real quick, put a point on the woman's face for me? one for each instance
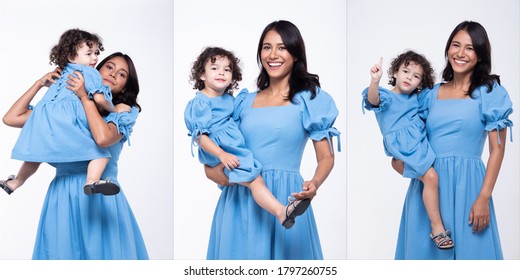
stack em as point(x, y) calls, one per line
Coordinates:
point(115, 74)
point(461, 54)
point(276, 59)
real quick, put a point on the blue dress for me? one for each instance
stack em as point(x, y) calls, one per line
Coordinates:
point(277, 136)
point(404, 132)
point(57, 129)
point(95, 227)
point(457, 130)
point(214, 117)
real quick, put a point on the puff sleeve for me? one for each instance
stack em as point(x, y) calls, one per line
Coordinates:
point(124, 122)
point(384, 97)
point(94, 83)
point(240, 103)
point(496, 106)
point(424, 98)
point(318, 116)
point(197, 117)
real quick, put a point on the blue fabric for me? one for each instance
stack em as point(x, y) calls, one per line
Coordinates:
point(404, 132)
point(213, 116)
point(76, 226)
point(57, 129)
point(277, 137)
point(457, 131)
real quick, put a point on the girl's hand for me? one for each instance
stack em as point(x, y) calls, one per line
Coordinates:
point(479, 214)
point(121, 108)
point(309, 191)
point(50, 78)
point(229, 160)
point(77, 84)
point(216, 174)
point(376, 72)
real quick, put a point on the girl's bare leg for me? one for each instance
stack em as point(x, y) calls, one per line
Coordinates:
point(26, 170)
point(265, 198)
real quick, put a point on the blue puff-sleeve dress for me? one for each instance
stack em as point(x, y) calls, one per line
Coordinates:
point(404, 132)
point(94, 227)
point(277, 137)
point(214, 117)
point(57, 129)
point(457, 131)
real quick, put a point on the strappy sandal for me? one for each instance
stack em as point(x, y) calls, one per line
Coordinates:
point(297, 210)
point(101, 186)
point(5, 186)
point(442, 240)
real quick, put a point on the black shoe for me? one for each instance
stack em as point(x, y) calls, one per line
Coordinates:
point(4, 186)
point(104, 187)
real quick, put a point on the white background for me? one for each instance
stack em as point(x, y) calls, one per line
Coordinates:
point(386, 28)
point(143, 30)
point(237, 26)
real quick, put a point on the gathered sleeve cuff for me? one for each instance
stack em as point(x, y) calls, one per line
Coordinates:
point(319, 115)
point(197, 117)
point(384, 101)
point(124, 122)
point(496, 106)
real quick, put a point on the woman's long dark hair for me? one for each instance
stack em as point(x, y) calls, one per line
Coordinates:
point(482, 73)
point(300, 79)
point(129, 95)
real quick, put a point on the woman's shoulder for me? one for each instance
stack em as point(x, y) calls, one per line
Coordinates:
point(308, 96)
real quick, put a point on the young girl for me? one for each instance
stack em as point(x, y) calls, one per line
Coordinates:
point(404, 132)
point(209, 118)
point(77, 50)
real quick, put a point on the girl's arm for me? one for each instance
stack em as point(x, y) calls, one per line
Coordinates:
point(104, 134)
point(376, 72)
point(479, 214)
point(325, 159)
point(228, 160)
point(18, 114)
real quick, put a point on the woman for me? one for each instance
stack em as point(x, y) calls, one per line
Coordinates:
point(72, 224)
point(276, 122)
point(460, 112)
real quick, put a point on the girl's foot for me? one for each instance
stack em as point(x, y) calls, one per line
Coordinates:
point(442, 240)
point(294, 209)
point(101, 186)
point(5, 186)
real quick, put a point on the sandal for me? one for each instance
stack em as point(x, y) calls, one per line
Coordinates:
point(5, 186)
point(297, 210)
point(101, 186)
point(442, 240)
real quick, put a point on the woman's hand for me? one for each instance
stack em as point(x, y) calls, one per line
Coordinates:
point(479, 214)
point(77, 84)
point(50, 78)
point(309, 190)
point(398, 166)
point(216, 174)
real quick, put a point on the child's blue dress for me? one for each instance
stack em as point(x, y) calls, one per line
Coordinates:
point(404, 132)
point(277, 136)
point(57, 129)
point(457, 130)
point(214, 117)
point(75, 226)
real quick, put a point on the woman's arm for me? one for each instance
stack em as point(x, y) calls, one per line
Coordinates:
point(479, 214)
point(325, 160)
point(18, 114)
point(104, 134)
point(216, 174)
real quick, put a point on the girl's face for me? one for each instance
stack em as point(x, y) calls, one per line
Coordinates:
point(86, 55)
point(217, 75)
point(276, 59)
point(408, 78)
point(115, 74)
point(461, 54)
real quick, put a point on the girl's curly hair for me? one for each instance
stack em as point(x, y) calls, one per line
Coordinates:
point(428, 77)
point(211, 54)
point(68, 46)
